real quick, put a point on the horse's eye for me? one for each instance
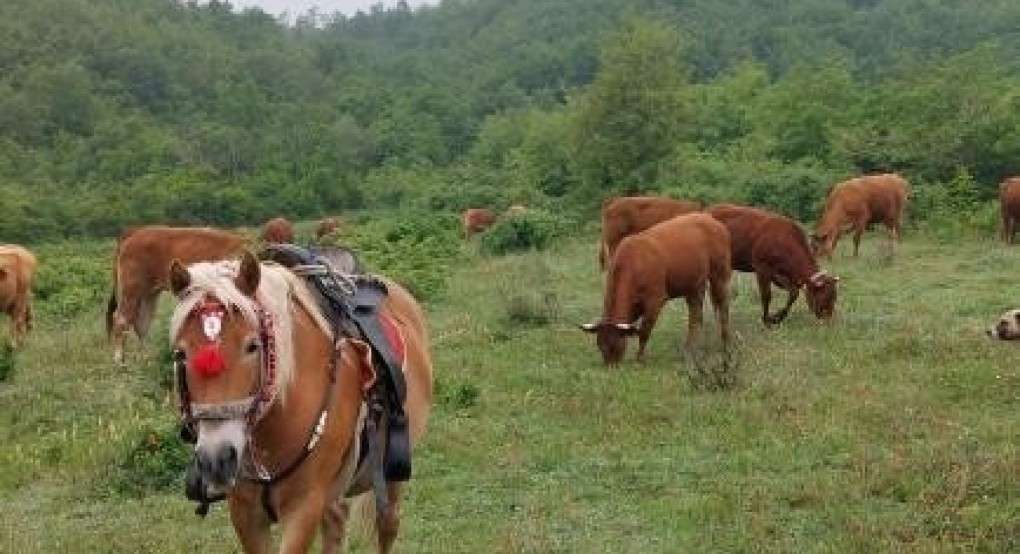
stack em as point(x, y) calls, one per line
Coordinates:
point(252, 347)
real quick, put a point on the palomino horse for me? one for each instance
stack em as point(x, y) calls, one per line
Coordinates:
point(278, 403)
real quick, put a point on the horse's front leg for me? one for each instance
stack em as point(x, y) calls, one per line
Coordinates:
point(251, 523)
point(301, 524)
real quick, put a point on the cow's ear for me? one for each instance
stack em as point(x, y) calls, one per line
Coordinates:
point(3, 272)
point(180, 279)
point(248, 277)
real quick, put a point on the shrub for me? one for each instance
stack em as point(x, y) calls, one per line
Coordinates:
point(532, 231)
point(155, 463)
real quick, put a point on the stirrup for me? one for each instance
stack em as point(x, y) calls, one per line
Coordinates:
point(397, 463)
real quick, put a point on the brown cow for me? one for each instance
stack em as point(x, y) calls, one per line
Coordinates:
point(627, 215)
point(1009, 204)
point(278, 230)
point(776, 250)
point(326, 227)
point(141, 265)
point(858, 203)
point(683, 256)
point(476, 220)
point(17, 269)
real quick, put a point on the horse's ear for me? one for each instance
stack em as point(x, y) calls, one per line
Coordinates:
point(248, 277)
point(180, 279)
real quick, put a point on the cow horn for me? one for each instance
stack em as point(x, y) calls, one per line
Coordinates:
point(626, 326)
point(589, 327)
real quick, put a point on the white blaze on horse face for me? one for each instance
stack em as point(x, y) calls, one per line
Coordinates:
point(212, 323)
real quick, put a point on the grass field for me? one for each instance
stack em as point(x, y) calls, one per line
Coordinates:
point(894, 430)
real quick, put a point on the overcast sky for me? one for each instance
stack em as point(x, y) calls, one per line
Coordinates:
point(298, 7)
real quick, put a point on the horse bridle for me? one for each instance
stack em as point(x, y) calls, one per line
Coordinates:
point(251, 408)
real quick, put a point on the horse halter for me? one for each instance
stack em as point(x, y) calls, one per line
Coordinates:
point(207, 362)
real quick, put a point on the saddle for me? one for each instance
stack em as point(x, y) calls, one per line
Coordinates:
point(350, 299)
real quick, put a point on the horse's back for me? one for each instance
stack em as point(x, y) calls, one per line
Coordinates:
point(410, 318)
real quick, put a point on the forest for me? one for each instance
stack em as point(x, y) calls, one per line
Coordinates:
point(120, 112)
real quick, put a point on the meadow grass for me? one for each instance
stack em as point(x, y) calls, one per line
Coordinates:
point(893, 430)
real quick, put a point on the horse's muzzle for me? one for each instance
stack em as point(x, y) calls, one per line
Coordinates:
point(218, 466)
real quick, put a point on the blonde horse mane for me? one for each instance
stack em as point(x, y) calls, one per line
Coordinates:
point(278, 289)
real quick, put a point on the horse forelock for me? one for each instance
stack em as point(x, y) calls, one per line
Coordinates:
point(278, 290)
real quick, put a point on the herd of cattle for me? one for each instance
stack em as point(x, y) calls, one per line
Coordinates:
point(653, 249)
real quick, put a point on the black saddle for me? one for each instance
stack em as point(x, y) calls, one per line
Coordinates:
point(350, 298)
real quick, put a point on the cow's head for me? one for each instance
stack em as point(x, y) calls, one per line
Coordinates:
point(820, 293)
point(611, 339)
point(1007, 328)
point(822, 244)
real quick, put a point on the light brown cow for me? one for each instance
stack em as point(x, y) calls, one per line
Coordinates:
point(776, 250)
point(627, 215)
point(278, 230)
point(326, 227)
point(17, 270)
point(476, 220)
point(141, 265)
point(1009, 205)
point(680, 257)
point(858, 203)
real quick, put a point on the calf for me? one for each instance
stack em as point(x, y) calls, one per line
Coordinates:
point(681, 257)
point(476, 220)
point(278, 230)
point(776, 250)
point(858, 203)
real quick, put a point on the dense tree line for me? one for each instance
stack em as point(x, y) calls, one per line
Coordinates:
point(115, 112)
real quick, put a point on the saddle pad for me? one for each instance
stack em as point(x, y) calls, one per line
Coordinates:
point(394, 339)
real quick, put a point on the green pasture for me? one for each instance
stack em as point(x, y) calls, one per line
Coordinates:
point(894, 430)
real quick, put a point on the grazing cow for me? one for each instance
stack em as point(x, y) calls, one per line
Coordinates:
point(1007, 328)
point(776, 250)
point(1009, 204)
point(326, 227)
point(17, 269)
point(683, 256)
point(476, 220)
point(278, 230)
point(858, 203)
point(516, 210)
point(141, 265)
point(627, 215)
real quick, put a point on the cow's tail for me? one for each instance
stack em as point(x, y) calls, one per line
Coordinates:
point(111, 307)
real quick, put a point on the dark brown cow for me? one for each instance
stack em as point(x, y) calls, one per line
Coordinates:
point(17, 270)
point(327, 227)
point(776, 250)
point(141, 265)
point(278, 230)
point(627, 215)
point(1009, 204)
point(858, 203)
point(476, 220)
point(681, 257)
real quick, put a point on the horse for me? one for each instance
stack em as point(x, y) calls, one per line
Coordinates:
point(277, 400)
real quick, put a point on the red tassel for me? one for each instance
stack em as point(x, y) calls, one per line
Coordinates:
point(208, 361)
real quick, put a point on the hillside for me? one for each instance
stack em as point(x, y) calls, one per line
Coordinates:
point(116, 112)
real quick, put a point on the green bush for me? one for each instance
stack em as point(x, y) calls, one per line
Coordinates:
point(155, 463)
point(533, 230)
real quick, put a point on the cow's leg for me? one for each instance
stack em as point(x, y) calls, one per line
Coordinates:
point(650, 314)
point(1010, 228)
point(858, 231)
point(695, 316)
point(721, 304)
point(765, 292)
